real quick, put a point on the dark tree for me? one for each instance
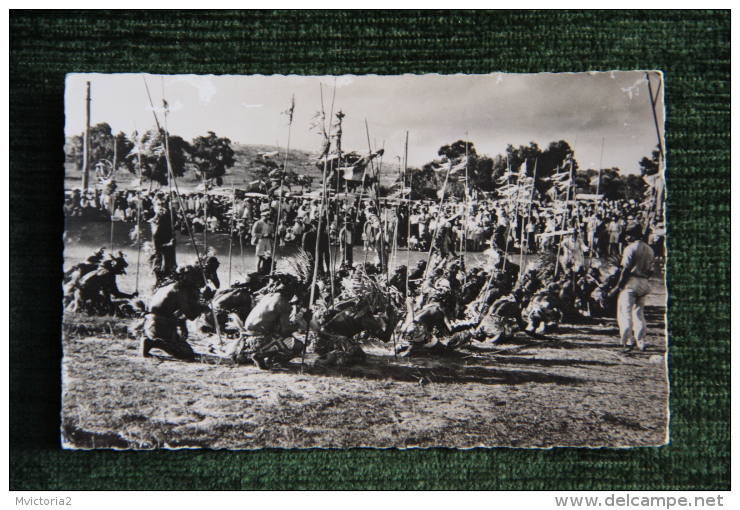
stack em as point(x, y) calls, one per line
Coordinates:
point(611, 184)
point(634, 187)
point(480, 169)
point(458, 150)
point(650, 166)
point(150, 146)
point(615, 186)
point(424, 183)
point(524, 155)
point(101, 146)
point(586, 181)
point(211, 156)
point(557, 157)
point(124, 146)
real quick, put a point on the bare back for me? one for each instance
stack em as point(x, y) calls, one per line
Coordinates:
point(270, 315)
point(175, 299)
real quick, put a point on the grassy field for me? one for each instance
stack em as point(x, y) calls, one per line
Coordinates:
point(82, 240)
point(577, 389)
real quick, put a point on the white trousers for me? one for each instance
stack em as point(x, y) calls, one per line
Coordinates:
point(631, 311)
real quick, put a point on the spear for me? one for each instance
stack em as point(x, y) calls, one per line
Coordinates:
point(508, 226)
point(465, 217)
point(408, 221)
point(529, 219)
point(318, 230)
point(565, 217)
point(321, 211)
point(381, 254)
point(598, 190)
point(111, 203)
point(138, 209)
point(205, 213)
point(653, 103)
point(167, 153)
point(383, 262)
point(282, 181)
point(187, 225)
point(241, 250)
point(332, 249)
point(231, 226)
point(439, 220)
point(171, 178)
point(325, 206)
point(482, 295)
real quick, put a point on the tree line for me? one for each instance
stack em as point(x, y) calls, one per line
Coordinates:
point(487, 174)
point(210, 156)
point(144, 153)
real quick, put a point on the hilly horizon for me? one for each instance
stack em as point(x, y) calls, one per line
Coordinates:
point(239, 176)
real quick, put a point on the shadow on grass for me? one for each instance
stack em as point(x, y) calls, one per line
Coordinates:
point(453, 371)
point(515, 360)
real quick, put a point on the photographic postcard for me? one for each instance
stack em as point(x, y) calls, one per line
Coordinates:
point(403, 261)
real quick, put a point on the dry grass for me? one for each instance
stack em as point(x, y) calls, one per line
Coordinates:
point(576, 390)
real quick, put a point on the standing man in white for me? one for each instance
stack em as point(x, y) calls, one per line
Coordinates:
point(633, 287)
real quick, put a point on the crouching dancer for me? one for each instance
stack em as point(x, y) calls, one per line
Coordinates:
point(97, 291)
point(176, 300)
point(266, 335)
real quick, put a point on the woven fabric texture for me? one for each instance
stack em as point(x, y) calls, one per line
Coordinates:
point(691, 48)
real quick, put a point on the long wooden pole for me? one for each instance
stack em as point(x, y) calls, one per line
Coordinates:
point(408, 205)
point(465, 218)
point(653, 103)
point(383, 228)
point(138, 210)
point(590, 239)
point(482, 295)
point(231, 226)
point(325, 200)
point(241, 252)
point(362, 191)
point(336, 219)
point(333, 249)
point(508, 226)
point(169, 168)
point(439, 221)
point(565, 217)
point(383, 242)
point(529, 219)
point(381, 254)
point(601, 163)
point(321, 210)
point(205, 214)
point(86, 143)
point(163, 133)
point(171, 178)
point(318, 231)
point(190, 230)
point(276, 234)
point(318, 242)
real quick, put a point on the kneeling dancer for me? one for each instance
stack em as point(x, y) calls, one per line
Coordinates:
point(176, 301)
point(266, 335)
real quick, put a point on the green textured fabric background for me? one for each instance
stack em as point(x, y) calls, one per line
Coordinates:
point(692, 48)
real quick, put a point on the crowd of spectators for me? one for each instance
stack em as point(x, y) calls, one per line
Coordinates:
point(595, 226)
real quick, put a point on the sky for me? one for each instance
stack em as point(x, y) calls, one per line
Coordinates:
point(606, 117)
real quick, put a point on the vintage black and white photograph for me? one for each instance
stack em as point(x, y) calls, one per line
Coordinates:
point(408, 261)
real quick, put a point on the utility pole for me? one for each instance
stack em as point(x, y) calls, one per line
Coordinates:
point(86, 143)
